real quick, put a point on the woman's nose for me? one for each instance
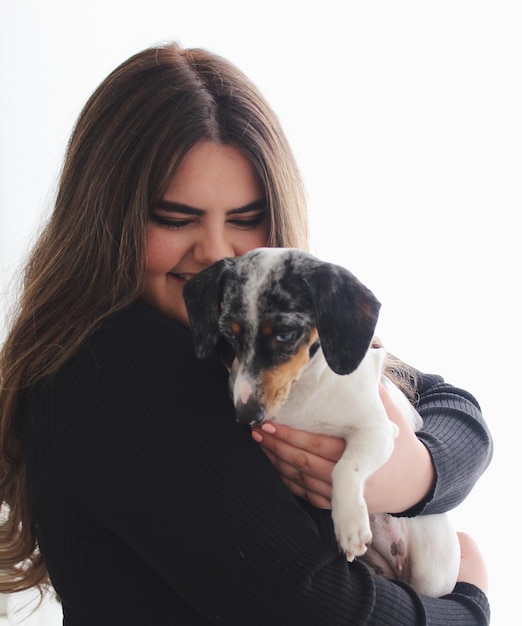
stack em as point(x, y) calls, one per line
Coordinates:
point(211, 247)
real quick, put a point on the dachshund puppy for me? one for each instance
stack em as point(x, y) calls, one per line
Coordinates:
point(301, 331)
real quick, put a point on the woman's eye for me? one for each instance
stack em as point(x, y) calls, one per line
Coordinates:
point(169, 222)
point(249, 223)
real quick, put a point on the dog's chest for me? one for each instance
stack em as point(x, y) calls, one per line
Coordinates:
point(322, 401)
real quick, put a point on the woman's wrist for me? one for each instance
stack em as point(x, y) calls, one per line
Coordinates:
point(407, 478)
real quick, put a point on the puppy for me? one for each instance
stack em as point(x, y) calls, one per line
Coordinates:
point(301, 333)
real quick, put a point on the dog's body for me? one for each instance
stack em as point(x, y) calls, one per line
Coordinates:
point(301, 331)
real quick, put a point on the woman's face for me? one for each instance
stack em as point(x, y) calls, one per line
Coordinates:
point(214, 207)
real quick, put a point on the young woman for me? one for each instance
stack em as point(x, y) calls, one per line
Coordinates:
point(124, 475)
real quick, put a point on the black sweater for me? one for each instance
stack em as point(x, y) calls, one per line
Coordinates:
point(153, 506)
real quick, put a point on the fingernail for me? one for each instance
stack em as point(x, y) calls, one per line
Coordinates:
point(268, 428)
point(256, 436)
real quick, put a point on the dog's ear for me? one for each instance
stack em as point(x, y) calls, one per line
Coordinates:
point(346, 315)
point(203, 298)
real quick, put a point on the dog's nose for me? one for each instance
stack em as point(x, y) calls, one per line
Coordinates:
point(251, 412)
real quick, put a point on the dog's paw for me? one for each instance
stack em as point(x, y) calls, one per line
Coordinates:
point(353, 533)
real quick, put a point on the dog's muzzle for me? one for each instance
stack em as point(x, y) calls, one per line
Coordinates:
point(249, 409)
point(251, 412)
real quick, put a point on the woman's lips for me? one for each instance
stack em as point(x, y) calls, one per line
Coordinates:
point(181, 277)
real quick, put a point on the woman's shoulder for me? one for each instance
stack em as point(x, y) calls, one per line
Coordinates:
point(133, 339)
point(140, 322)
point(136, 348)
point(139, 313)
point(142, 337)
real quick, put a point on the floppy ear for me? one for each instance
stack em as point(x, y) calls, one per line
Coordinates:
point(203, 297)
point(346, 315)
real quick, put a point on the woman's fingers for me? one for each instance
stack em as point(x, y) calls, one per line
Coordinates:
point(304, 460)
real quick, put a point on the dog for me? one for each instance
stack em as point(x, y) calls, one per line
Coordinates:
point(301, 331)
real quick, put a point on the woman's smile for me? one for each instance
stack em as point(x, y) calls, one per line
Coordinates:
point(214, 207)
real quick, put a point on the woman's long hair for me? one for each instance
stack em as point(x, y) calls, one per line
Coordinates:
point(89, 261)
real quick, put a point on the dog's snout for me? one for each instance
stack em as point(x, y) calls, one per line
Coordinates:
point(250, 412)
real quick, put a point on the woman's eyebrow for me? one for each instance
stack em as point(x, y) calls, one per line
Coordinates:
point(252, 206)
point(178, 207)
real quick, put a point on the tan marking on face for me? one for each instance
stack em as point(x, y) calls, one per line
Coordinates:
point(267, 329)
point(275, 384)
point(235, 327)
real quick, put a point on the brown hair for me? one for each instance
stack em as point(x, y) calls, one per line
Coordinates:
point(89, 261)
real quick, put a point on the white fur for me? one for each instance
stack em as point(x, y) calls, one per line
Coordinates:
point(350, 407)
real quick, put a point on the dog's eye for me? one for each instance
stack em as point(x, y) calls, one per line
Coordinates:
point(229, 336)
point(285, 337)
point(231, 331)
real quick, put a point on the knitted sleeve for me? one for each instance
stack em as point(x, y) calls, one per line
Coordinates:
point(156, 457)
point(457, 438)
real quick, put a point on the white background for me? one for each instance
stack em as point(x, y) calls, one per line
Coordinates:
point(405, 119)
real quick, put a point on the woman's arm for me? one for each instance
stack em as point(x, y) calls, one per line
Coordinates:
point(305, 462)
point(454, 442)
point(160, 461)
point(458, 439)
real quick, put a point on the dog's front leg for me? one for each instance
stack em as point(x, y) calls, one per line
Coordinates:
point(366, 450)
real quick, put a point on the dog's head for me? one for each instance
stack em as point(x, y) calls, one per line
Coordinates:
point(276, 307)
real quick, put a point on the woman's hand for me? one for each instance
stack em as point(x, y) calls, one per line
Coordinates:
point(305, 462)
point(472, 566)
